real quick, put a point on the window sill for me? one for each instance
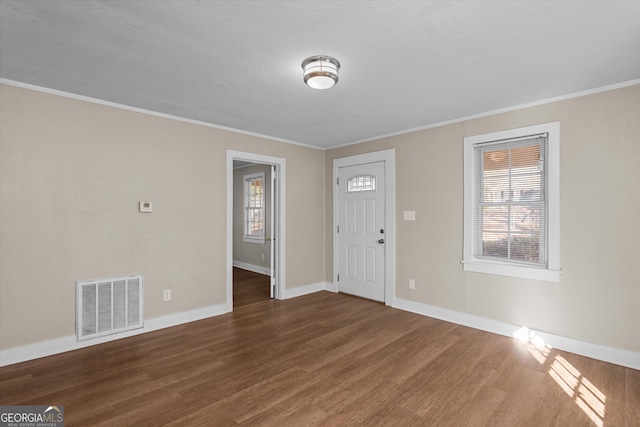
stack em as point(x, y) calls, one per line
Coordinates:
point(510, 270)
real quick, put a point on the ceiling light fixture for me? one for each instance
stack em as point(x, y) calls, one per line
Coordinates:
point(320, 71)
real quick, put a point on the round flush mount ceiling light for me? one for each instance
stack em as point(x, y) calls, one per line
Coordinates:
point(320, 71)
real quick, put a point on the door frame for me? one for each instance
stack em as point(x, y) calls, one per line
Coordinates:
point(388, 157)
point(278, 208)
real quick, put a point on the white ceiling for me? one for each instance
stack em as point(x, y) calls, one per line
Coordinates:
point(236, 64)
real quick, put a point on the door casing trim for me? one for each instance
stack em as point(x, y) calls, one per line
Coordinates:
point(388, 157)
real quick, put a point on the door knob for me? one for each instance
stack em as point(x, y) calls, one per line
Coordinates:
point(381, 241)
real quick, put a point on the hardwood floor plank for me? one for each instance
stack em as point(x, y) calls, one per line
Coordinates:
point(521, 401)
point(329, 360)
point(478, 410)
point(249, 287)
point(259, 397)
point(393, 416)
point(632, 399)
point(285, 414)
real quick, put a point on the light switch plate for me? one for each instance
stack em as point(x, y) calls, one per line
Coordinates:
point(409, 215)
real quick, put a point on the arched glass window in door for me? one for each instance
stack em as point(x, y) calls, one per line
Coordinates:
point(361, 183)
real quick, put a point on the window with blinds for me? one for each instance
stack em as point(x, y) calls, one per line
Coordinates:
point(511, 202)
point(254, 208)
point(511, 212)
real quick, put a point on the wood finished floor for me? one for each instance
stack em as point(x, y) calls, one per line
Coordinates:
point(325, 359)
point(249, 287)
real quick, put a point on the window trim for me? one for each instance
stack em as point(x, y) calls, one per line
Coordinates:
point(246, 179)
point(505, 268)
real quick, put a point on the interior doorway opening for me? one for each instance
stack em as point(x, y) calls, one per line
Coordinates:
point(252, 232)
point(255, 228)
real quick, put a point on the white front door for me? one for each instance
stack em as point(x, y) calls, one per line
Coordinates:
point(361, 230)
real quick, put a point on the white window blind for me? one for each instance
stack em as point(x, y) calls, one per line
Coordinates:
point(511, 208)
point(254, 207)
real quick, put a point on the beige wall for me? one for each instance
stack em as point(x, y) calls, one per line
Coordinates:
point(71, 176)
point(72, 173)
point(256, 254)
point(597, 297)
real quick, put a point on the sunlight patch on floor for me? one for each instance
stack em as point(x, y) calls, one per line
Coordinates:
point(583, 392)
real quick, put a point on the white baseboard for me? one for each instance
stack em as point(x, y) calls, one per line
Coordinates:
point(617, 356)
point(68, 343)
point(251, 267)
point(303, 290)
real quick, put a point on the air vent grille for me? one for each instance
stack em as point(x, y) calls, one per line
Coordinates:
point(109, 306)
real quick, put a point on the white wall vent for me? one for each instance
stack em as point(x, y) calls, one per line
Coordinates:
point(108, 306)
